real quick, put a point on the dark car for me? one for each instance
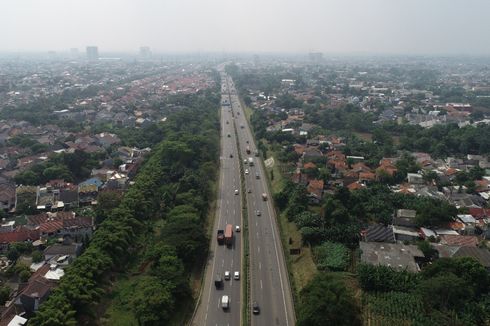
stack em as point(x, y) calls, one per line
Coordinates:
point(255, 308)
point(231, 155)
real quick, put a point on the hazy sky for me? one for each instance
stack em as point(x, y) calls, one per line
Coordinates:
point(329, 26)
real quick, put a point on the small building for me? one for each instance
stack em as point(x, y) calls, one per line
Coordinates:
point(395, 255)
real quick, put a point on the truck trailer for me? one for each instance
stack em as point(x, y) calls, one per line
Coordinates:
point(229, 234)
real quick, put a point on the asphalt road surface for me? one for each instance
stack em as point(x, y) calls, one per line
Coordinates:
point(223, 258)
point(269, 284)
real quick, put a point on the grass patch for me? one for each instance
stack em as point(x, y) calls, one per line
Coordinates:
point(117, 313)
point(301, 267)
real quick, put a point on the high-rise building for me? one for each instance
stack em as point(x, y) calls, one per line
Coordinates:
point(92, 53)
point(316, 57)
point(145, 52)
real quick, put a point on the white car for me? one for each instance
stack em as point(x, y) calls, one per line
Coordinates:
point(246, 171)
point(225, 302)
point(227, 275)
point(245, 161)
point(236, 191)
point(236, 276)
point(257, 212)
point(237, 228)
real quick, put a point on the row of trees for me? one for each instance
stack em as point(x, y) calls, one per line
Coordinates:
point(173, 185)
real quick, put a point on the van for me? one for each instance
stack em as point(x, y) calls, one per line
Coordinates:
point(225, 302)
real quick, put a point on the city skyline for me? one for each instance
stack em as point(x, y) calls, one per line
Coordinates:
point(353, 26)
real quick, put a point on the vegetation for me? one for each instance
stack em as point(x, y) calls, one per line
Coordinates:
point(327, 301)
point(332, 256)
point(449, 291)
point(178, 172)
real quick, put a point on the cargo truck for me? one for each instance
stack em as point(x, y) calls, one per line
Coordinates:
point(229, 234)
point(221, 237)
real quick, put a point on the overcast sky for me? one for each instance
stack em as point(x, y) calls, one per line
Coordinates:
point(329, 26)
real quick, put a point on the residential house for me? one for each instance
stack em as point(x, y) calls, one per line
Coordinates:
point(395, 255)
point(379, 233)
point(315, 191)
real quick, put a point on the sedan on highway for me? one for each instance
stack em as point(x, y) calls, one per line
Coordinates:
point(236, 276)
point(255, 308)
point(227, 275)
point(257, 212)
point(246, 171)
point(236, 191)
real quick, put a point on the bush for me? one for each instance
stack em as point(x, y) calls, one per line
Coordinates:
point(332, 256)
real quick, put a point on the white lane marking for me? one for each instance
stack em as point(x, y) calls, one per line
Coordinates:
point(260, 265)
point(257, 234)
point(256, 223)
point(261, 287)
point(222, 263)
point(232, 263)
point(218, 303)
point(258, 249)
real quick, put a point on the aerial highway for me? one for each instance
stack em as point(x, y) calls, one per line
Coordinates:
point(269, 283)
point(224, 258)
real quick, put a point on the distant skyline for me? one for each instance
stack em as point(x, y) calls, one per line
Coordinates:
point(434, 27)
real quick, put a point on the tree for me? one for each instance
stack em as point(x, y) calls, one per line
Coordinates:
point(444, 292)
point(24, 275)
point(327, 301)
point(4, 294)
point(152, 302)
point(37, 257)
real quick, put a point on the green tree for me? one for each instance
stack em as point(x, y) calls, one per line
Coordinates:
point(4, 294)
point(152, 302)
point(327, 301)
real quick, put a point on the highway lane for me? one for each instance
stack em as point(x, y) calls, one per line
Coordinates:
point(221, 258)
point(268, 272)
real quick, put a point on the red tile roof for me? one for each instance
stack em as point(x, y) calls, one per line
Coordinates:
point(20, 234)
point(460, 240)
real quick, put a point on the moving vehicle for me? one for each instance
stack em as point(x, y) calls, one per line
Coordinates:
point(231, 155)
point(257, 175)
point(229, 135)
point(225, 302)
point(246, 171)
point(227, 275)
point(237, 228)
point(264, 196)
point(247, 149)
point(229, 234)
point(245, 161)
point(242, 126)
point(220, 237)
point(236, 191)
point(256, 153)
point(251, 161)
point(227, 122)
point(218, 281)
point(236, 276)
point(249, 191)
point(257, 212)
point(255, 308)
